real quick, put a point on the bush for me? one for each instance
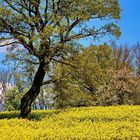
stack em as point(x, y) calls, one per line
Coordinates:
point(12, 99)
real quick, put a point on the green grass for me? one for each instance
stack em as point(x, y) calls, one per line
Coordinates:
point(35, 115)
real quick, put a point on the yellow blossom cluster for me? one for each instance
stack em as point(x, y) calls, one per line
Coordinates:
point(88, 123)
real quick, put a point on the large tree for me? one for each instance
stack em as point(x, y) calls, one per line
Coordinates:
point(48, 28)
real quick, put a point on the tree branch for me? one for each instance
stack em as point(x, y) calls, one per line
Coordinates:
point(55, 80)
point(27, 60)
point(77, 21)
point(15, 9)
point(11, 43)
point(65, 63)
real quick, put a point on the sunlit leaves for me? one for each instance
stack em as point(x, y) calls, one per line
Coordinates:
point(56, 20)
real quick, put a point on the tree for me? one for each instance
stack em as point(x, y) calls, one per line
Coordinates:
point(5, 84)
point(5, 78)
point(12, 99)
point(23, 67)
point(136, 54)
point(48, 28)
point(83, 85)
point(123, 57)
point(104, 76)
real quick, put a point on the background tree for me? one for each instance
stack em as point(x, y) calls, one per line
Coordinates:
point(12, 99)
point(24, 67)
point(81, 87)
point(5, 84)
point(136, 55)
point(104, 76)
point(123, 57)
point(47, 28)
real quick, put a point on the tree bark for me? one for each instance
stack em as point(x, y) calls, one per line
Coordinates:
point(29, 97)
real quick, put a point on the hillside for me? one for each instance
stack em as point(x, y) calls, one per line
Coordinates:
point(92, 123)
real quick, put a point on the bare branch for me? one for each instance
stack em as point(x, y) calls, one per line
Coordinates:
point(46, 7)
point(77, 21)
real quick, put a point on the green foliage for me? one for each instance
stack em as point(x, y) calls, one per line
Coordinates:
point(23, 67)
point(35, 115)
point(100, 78)
point(44, 26)
point(12, 99)
point(78, 89)
point(9, 114)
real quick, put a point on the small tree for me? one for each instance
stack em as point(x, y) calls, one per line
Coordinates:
point(12, 99)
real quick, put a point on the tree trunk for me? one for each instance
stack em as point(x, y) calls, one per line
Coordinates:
point(29, 97)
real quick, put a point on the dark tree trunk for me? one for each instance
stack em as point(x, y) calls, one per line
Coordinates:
point(29, 97)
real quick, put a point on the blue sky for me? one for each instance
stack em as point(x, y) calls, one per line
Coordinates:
point(129, 23)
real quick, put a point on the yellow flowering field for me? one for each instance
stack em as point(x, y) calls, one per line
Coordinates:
point(91, 123)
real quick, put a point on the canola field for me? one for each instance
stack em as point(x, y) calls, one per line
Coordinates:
point(91, 123)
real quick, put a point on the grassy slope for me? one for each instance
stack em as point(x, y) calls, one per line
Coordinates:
point(92, 123)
